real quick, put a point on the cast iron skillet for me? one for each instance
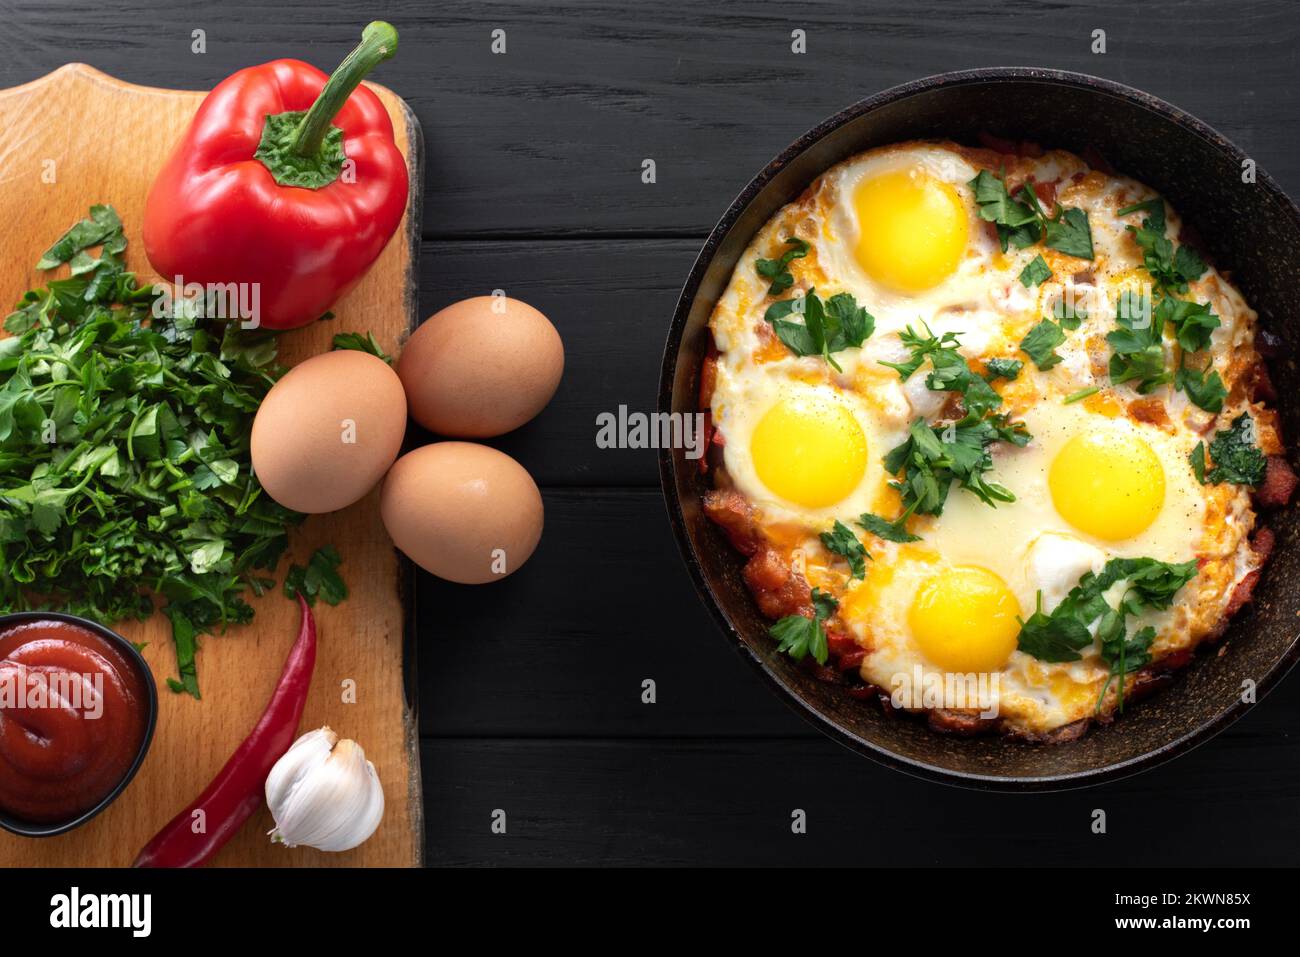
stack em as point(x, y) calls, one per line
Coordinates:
point(1253, 229)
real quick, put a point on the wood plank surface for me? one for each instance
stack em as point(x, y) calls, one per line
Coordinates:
point(530, 690)
point(548, 137)
point(106, 140)
point(710, 801)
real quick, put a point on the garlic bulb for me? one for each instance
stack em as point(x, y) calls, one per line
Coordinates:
point(324, 793)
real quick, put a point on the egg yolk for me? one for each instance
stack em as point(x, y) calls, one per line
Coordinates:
point(1107, 483)
point(912, 229)
point(809, 450)
point(964, 620)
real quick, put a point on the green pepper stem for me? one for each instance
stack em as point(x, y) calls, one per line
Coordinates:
point(378, 43)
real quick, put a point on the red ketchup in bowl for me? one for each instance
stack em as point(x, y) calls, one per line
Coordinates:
point(73, 715)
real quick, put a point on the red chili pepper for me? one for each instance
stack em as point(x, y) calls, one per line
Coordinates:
point(286, 182)
point(237, 790)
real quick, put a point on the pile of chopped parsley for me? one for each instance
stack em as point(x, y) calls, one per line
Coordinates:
point(125, 474)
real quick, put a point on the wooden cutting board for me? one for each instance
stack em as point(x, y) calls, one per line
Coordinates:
point(78, 137)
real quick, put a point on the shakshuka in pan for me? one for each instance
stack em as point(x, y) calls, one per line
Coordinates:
point(986, 418)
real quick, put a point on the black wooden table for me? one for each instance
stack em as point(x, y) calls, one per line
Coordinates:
point(530, 689)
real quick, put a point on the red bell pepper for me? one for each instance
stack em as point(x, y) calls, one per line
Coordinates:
point(285, 179)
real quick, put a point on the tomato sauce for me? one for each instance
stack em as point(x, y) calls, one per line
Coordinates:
point(74, 709)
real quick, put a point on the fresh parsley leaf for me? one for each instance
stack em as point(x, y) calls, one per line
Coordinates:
point(1193, 321)
point(1021, 221)
point(799, 636)
point(102, 227)
point(1053, 638)
point(1069, 233)
point(361, 343)
point(320, 578)
point(1017, 224)
point(1204, 387)
point(1124, 655)
point(1003, 369)
point(1040, 344)
point(1153, 583)
point(841, 541)
point(950, 372)
point(1146, 366)
point(883, 528)
point(186, 642)
point(1198, 462)
point(1235, 455)
point(1155, 210)
point(1035, 273)
point(1173, 270)
point(1082, 394)
point(777, 270)
point(921, 346)
point(1138, 346)
point(1137, 352)
point(831, 326)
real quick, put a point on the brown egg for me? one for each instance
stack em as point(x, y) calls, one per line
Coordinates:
point(481, 367)
point(328, 431)
point(462, 511)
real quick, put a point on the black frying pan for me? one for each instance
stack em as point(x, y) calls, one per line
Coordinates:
point(1252, 229)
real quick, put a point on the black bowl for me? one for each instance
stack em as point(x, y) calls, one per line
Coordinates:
point(29, 829)
point(1253, 229)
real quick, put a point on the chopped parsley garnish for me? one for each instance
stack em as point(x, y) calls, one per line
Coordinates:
point(1137, 352)
point(934, 456)
point(1002, 369)
point(320, 578)
point(799, 636)
point(1040, 344)
point(778, 270)
point(1061, 635)
point(1017, 223)
point(1082, 394)
point(1203, 386)
point(883, 528)
point(1234, 455)
point(1021, 221)
point(1035, 273)
point(830, 326)
point(950, 372)
point(361, 343)
point(841, 541)
point(921, 347)
point(1172, 269)
point(1053, 637)
point(1193, 322)
point(1138, 347)
point(1069, 233)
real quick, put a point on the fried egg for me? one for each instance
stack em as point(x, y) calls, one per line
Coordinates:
point(1105, 473)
